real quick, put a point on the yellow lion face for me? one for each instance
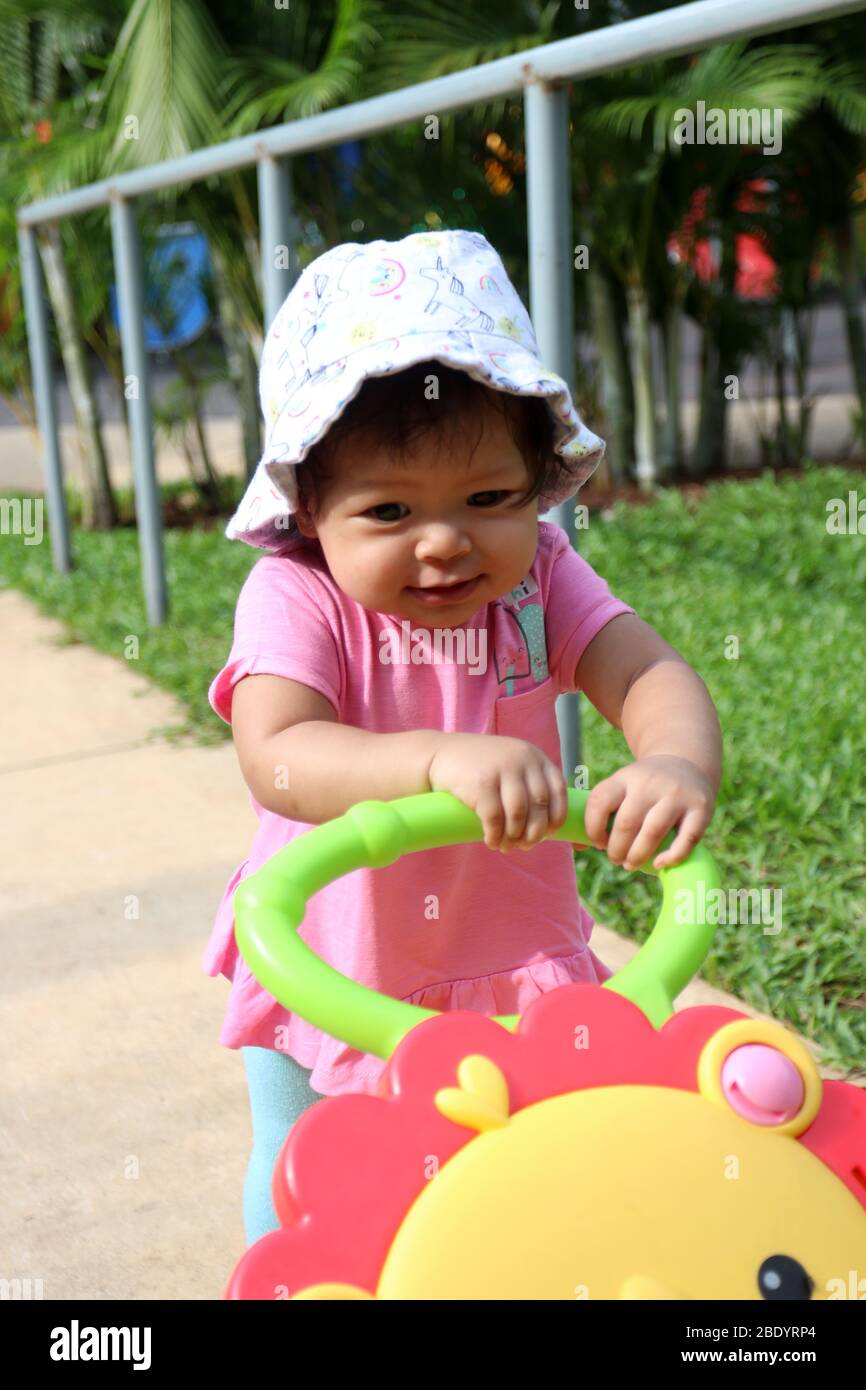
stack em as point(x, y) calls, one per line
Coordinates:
point(692, 1203)
point(632, 1191)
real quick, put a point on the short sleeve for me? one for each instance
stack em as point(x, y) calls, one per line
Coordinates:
point(281, 629)
point(579, 605)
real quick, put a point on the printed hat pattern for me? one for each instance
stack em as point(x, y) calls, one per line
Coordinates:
point(374, 309)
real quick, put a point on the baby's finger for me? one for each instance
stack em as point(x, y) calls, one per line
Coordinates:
point(491, 813)
point(538, 817)
point(629, 820)
point(515, 803)
point(558, 805)
point(656, 825)
point(602, 800)
point(692, 827)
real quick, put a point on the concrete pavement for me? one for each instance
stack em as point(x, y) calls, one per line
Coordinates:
point(125, 1130)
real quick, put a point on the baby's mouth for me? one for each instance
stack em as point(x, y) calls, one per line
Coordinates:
point(441, 594)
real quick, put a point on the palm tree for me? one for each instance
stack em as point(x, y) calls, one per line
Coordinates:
point(841, 121)
point(32, 58)
point(634, 237)
point(175, 75)
point(191, 75)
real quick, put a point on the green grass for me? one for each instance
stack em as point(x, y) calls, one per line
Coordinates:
point(102, 602)
point(754, 561)
point(748, 560)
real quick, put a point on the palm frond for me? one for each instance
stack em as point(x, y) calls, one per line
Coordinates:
point(284, 89)
point(446, 37)
point(15, 89)
point(46, 69)
point(846, 94)
point(165, 71)
point(786, 79)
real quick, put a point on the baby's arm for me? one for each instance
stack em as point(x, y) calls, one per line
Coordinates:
point(299, 762)
point(644, 687)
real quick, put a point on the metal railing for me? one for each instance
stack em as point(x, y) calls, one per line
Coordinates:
point(538, 73)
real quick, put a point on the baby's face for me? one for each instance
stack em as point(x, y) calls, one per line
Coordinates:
point(391, 533)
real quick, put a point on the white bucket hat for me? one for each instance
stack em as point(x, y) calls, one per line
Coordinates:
point(365, 310)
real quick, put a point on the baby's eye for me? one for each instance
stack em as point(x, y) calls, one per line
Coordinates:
point(495, 496)
point(489, 499)
point(384, 507)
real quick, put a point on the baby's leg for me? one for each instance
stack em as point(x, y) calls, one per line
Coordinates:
point(279, 1093)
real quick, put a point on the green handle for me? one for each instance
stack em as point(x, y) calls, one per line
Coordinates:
point(269, 907)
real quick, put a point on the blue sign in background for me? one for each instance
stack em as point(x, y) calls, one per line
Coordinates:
point(173, 277)
point(181, 259)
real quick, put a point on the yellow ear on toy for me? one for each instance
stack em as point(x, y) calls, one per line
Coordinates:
point(480, 1101)
point(754, 1030)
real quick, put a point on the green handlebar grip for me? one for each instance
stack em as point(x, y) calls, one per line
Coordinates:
point(269, 907)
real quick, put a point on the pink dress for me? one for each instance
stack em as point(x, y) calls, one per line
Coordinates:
point(461, 926)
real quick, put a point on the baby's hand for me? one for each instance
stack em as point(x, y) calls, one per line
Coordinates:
point(517, 792)
point(649, 797)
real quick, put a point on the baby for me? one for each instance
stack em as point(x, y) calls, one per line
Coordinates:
point(410, 630)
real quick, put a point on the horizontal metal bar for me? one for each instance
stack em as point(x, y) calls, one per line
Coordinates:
point(666, 35)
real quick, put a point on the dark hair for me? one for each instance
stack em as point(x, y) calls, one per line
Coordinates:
point(396, 409)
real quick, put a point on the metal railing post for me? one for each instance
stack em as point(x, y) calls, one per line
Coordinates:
point(548, 195)
point(39, 347)
point(130, 310)
point(278, 233)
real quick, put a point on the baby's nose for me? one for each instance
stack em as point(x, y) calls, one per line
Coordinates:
point(442, 541)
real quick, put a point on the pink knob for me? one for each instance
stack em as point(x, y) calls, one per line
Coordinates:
point(762, 1084)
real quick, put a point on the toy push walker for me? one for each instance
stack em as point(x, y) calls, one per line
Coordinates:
point(600, 1146)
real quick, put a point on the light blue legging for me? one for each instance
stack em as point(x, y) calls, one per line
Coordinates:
point(280, 1092)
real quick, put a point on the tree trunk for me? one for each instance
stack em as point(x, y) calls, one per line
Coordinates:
point(98, 508)
point(616, 385)
point(209, 488)
point(211, 485)
point(799, 327)
point(700, 463)
point(252, 244)
point(671, 439)
point(761, 411)
point(24, 414)
point(241, 364)
point(111, 360)
point(846, 250)
point(717, 361)
point(729, 362)
point(783, 429)
point(640, 353)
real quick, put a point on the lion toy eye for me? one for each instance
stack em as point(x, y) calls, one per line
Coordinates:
point(762, 1084)
point(781, 1277)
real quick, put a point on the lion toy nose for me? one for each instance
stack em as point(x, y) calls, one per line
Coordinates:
point(762, 1084)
